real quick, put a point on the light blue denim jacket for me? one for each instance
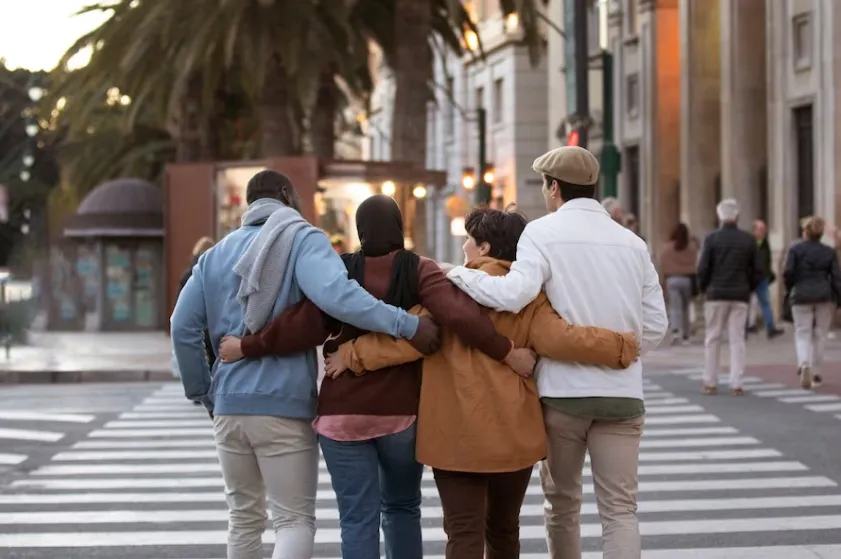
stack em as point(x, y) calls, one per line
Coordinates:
point(272, 385)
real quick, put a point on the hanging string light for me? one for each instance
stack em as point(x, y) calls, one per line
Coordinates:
point(35, 93)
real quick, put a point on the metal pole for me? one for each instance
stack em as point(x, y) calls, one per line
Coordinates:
point(610, 161)
point(582, 62)
point(483, 190)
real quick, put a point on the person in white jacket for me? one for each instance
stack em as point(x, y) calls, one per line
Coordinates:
point(595, 273)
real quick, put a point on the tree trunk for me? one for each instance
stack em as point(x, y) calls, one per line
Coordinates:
point(412, 73)
point(323, 121)
point(277, 134)
point(186, 124)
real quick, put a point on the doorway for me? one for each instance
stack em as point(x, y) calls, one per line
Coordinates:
point(805, 167)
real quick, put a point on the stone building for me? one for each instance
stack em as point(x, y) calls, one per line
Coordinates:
point(513, 93)
point(727, 98)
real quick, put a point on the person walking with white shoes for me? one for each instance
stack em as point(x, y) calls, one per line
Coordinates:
point(728, 272)
point(813, 284)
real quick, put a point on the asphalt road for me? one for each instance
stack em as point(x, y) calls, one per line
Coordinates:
point(128, 471)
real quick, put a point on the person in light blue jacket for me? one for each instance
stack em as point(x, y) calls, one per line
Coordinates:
point(262, 409)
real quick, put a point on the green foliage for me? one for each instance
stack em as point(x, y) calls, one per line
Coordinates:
point(16, 109)
point(239, 80)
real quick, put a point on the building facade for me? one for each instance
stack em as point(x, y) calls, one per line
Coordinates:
point(526, 113)
point(727, 99)
point(711, 99)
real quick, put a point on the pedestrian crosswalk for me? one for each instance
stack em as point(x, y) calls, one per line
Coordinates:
point(147, 485)
point(35, 418)
point(812, 400)
point(27, 430)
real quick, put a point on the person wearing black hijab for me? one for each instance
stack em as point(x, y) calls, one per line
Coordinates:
point(366, 423)
point(379, 224)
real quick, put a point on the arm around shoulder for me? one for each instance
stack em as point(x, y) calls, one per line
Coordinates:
point(322, 276)
point(513, 291)
point(298, 328)
point(456, 311)
point(553, 337)
point(376, 351)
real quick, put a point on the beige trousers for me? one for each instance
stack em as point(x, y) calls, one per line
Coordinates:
point(614, 455)
point(811, 325)
point(733, 316)
point(274, 457)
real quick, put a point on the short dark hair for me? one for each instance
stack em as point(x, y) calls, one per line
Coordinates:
point(500, 229)
point(269, 184)
point(570, 191)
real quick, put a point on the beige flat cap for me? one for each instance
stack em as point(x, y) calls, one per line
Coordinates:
point(570, 164)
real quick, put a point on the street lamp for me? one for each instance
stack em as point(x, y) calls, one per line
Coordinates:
point(488, 175)
point(36, 93)
point(419, 191)
point(31, 130)
point(468, 180)
point(388, 188)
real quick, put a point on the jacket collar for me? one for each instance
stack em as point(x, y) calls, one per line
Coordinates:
point(583, 204)
point(491, 266)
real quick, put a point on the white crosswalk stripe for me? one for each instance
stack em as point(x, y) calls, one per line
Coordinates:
point(150, 480)
point(26, 429)
point(811, 400)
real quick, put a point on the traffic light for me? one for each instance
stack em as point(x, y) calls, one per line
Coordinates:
point(573, 138)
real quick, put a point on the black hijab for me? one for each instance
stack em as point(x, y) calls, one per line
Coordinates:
point(380, 227)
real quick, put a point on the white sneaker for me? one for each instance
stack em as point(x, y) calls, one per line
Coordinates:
point(806, 377)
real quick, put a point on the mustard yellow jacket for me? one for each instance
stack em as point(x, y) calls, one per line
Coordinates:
point(476, 414)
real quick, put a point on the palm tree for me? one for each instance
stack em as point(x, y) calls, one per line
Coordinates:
point(284, 53)
point(128, 53)
point(408, 53)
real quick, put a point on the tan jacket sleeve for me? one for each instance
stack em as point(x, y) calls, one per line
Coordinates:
point(375, 351)
point(553, 337)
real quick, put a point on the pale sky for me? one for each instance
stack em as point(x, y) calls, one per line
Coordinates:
point(35, 33)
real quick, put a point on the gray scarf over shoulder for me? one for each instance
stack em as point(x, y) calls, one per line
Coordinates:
point(265, 262)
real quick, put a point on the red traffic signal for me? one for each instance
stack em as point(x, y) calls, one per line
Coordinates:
point(572, 138)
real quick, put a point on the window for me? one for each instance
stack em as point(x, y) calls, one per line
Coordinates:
point(801, 38)
point(632, 26)
point(497, 100)
point(450, 110)
point(480, 97)
point(633, 95)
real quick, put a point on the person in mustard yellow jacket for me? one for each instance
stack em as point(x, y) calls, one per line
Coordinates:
point(480, 425)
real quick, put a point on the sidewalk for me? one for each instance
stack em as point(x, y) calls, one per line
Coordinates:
point(145, 356)
point(88, 357)
point(61, 357)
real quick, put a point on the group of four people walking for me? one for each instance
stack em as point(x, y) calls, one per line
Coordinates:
point(399, 394)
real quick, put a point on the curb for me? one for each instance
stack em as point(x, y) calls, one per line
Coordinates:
point(68, 377)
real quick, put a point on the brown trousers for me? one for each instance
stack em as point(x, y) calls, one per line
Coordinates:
point(482, 510)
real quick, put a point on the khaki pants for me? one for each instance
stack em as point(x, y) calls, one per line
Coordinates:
point(614, 456)
point(274, 457)
point(811, 325)
point(718, 315)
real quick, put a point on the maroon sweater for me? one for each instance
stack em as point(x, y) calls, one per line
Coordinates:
point(393, 390)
